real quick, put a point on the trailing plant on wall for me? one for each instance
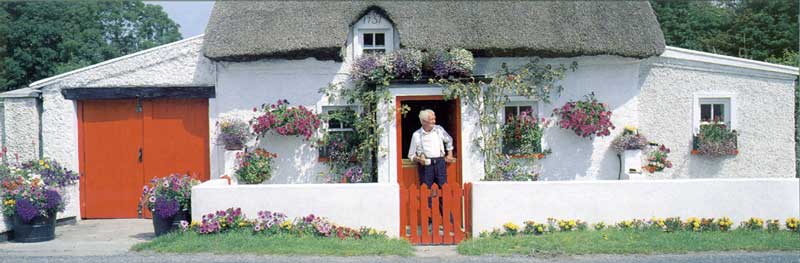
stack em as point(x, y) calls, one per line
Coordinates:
point(533, 80)
point(233, 133)
point(657, 159)
point(587, 118)
point(285, 120)
point(254, 167)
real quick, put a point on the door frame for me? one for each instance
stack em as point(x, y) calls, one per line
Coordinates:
point(399, 129)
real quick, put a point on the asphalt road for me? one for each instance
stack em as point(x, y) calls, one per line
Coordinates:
point(765, 257)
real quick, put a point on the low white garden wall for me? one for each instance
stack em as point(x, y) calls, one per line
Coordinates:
point(495, 203)
point(352, 205)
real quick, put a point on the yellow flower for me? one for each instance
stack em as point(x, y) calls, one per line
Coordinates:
point(372, 231)
point(540, 229)
point(41, 162)
point(630, 128)
point(46, 166)
point(10, 202)
point(287, 225)
point(194, 223)
point(241, 224)
point(511, 226)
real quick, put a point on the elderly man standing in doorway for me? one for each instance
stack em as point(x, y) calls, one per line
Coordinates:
point(428, 147)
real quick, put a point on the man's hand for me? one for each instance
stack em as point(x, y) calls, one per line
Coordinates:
point(450, 159)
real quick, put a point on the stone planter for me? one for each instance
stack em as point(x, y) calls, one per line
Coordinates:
point(165, 225)
point(40, 228)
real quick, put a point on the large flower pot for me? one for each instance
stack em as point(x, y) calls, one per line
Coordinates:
point(165, 225)
point(40, 228)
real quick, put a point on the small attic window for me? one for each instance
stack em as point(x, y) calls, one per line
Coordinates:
point(374, 42)
point(373, 33)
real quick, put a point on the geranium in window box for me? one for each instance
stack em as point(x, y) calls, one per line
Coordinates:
point(587, 118)
point(284, 120)
point(715, 139)
point(522, 135)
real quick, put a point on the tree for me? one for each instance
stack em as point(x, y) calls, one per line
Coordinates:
point(42, 39)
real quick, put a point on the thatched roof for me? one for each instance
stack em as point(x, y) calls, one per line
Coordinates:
point(250, 30)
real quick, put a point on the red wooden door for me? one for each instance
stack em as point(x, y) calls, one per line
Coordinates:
point(176, 138)
point(122, 149)
point(111, 133)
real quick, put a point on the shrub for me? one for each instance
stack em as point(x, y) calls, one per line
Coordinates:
point(657, 159)
point(630, 139)
point(285, 120)
point(586, 117)
point(522, 134)
point(233, 133)
point(255, 167)
point(715, 139)
point(165, 196)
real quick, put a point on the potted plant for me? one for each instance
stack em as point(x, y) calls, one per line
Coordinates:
point(586, 118)
point(629, 145)
point(32, 197)
point(233, 133)
point(169, 201)
point(657, 160)
point(285, 120)
point(715, 139)
point(255, 167)
point(522, 134)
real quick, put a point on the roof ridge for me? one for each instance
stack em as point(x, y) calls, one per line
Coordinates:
point(44, 82)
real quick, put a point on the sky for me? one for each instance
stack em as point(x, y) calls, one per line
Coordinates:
point(192, 16)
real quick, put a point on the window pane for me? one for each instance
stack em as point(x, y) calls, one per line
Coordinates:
point(525, 108)
point(510, 112)
point(379, 39)
point(334, 124)
point(368, 40)
point(719, 112)
point(705, 112)
point(374, 51)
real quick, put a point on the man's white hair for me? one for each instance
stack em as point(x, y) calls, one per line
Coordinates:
point(423, 115)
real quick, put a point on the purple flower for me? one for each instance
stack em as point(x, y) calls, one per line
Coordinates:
point(26, 209)
point(52, 200)
point(166, 208)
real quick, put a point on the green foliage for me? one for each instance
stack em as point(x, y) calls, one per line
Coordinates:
point(612, 241)
point(754, 29)
point(42, 39)
point(243, 241)
point(522, 134)
point(255, 167)
point(532, 80)
point(716, 139)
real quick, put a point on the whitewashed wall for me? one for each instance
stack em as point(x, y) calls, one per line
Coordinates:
point(496, 203)
point(247, 85)
point(22, 128)
point(764, 113)
point(352, 205)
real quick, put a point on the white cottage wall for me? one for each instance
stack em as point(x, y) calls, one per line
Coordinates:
point(764, 113)
point(22, 128)
point(242, 86)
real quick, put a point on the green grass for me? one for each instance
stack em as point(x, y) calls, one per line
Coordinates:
point(244, 242)
point(631, 242)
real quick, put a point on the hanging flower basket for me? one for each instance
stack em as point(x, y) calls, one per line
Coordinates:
point(587, 118)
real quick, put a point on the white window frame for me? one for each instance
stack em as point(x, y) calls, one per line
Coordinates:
point(328, 108)
point(368, 24)
point(725, 98)
point(518, 102)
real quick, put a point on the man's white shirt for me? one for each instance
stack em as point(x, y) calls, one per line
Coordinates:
point(433, 144)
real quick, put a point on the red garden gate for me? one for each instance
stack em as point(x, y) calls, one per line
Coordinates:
point(445, 219)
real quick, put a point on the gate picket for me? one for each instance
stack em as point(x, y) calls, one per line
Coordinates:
point(421, 224)
point(425, 214)
point(447, 215)
point(436, 214)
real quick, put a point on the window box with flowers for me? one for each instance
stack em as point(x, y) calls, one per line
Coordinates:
point(411, 64)
point(522, 135)
point(715, 139)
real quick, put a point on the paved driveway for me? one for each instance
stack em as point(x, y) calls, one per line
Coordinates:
point(109, 241)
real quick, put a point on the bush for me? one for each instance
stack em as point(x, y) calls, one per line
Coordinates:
point(254, 167)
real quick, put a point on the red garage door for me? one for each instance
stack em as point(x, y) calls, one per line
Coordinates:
point(125, 143)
